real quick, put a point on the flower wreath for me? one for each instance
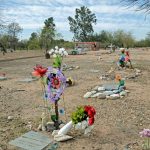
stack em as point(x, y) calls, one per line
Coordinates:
point(56, 82)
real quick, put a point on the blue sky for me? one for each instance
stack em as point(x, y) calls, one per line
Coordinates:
point(111, 15)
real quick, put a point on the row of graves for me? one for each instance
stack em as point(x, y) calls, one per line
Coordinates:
point(53, 84)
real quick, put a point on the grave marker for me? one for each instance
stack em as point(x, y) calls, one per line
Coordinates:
point(31, 141)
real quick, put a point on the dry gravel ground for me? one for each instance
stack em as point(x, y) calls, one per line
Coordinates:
point(118, 122)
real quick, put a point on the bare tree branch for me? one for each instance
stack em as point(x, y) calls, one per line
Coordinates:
point(141, 5)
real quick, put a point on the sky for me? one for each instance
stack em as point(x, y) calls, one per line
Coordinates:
point(111, 15)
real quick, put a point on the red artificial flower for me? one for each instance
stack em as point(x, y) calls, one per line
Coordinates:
point(86, 108)
point(91, 121)
point(39, 71)
point(56, 83)
point(90, 112)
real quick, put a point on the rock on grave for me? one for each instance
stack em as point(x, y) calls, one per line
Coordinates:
point(96, 95)
point(10, 117)
point(123, 93)
point(114, 96)
point(110, 87)
point(87, 95)
point(61, 138)
point(116, 91)
point(137, 71)
point(94, 71)
point(96, 88)
point(93, 92)
point(102, 96)
point(107, 93)
point(101, 88)
point(2, 78)
point(55, 132)
point(127, 91)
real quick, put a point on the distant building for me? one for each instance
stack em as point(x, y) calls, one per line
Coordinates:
point(93, 46)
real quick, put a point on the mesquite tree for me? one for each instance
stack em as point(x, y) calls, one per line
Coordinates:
point(82, 24)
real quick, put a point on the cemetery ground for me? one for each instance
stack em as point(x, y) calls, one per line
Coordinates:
point(117, 123)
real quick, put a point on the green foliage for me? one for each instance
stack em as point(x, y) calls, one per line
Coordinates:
point(22, 45)
point(4, 40)
point(33, 45)
point(48, 33)
point(78, 115)
point(81, 25)
point(57, 62)
point(54, 118)
point(68, 45)
point(34, 36)
point(123, 39)
point(13, 30)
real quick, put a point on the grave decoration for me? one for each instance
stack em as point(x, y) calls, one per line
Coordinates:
point(58, 54)
point(53, 84)
point(70, 82)
point(3, 76)
point(82, 119)
point(109, 91)
point(146, 135)
point(124, 60)
point(32, 141)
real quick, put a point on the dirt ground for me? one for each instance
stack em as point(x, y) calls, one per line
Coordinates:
point(118, 122)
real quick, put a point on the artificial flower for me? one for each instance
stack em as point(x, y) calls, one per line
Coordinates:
point(145, 133)
point(90, 112)
point(56, 47)
point(56, 83)
point(91, 121)
point(84, 113)
point(118, 77)
point(39, 71)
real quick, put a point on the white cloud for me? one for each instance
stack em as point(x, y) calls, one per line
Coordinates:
point(31, 14)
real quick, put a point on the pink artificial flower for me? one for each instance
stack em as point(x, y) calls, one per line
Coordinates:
point(145, 133)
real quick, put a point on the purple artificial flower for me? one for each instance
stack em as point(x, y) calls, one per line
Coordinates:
point(55, 93)
point(145, 133)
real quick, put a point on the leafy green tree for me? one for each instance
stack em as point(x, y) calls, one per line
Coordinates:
point(34, 35)
point(34, 41)
point(4, 40)
point(106, 37)
point(22, 45)
point(13, 30)
point(82, 24)
point(94, 37)
point(33, 45)
point(48, 32)
point(123, 39)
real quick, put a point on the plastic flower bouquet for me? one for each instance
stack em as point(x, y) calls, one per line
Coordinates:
point(146, 134)
point(83, 118)
point(58, 54)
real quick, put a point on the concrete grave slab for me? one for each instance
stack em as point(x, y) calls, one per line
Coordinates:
point(31, 141)
point(27, 80)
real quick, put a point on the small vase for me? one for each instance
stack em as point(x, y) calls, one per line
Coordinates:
point(65, 129)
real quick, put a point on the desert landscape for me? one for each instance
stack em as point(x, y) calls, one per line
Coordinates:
point(117, 122)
